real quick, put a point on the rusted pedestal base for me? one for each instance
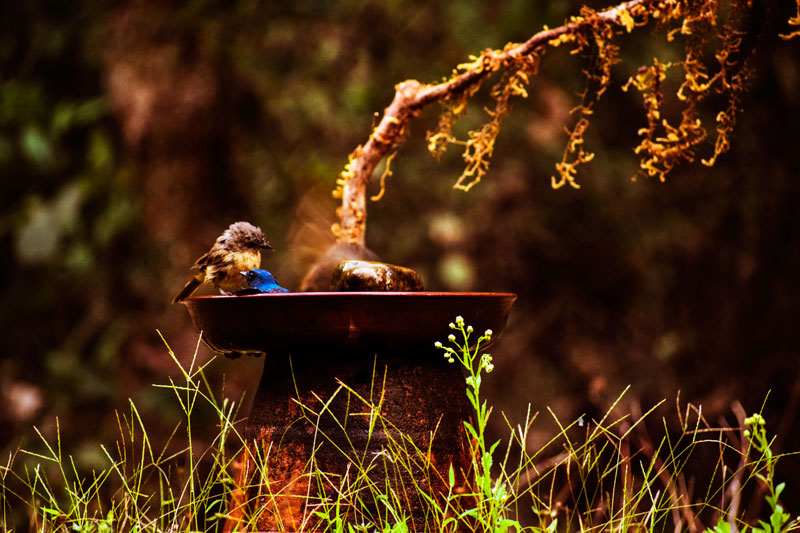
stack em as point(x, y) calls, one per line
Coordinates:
point(345, 426)
point(334, 418)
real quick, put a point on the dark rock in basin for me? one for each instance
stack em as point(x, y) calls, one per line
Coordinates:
point(354, 275)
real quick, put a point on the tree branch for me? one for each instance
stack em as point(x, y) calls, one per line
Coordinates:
point(411, 96)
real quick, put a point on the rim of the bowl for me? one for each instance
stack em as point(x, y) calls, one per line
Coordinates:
point(342, 294)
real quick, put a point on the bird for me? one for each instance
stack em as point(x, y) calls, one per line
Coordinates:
point(318, 277)
point(237, 249)
point(259, 281)
point(312, 245)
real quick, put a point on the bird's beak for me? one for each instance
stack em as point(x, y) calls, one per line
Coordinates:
point(243, 273)
point(266, 246)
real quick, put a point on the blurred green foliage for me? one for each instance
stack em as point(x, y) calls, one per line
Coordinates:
point(132, 133)
point(67, 202)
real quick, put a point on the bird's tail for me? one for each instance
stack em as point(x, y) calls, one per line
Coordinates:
point(187, 290)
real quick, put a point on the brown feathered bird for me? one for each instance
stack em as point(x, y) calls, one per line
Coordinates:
point(313, 246)
point(236, 250)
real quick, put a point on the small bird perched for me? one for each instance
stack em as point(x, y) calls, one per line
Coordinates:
point(260, 281)
point(236, 250)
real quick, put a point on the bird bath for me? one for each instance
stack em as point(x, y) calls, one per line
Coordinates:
point(327, 353)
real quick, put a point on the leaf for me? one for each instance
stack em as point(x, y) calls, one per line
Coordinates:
point(771, 500)
point(100, 153)
point(68, 115)
point(21, 102)
point(493, 446)
point(721, 527)
point(37, 148)
point(778, 519)
point(470, 396)
point(507, 523)
point(39, 238)
point(91, 111)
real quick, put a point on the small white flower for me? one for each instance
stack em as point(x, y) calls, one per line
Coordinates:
point(451, 338)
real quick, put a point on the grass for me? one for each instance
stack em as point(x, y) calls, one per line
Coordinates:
point(594, 475)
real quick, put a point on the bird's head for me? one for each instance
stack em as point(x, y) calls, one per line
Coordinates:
point(247, 236)
point(258, 277)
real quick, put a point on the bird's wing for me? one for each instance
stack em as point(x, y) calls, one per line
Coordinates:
point(202, 261)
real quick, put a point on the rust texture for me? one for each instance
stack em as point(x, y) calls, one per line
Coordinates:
point(304, 420)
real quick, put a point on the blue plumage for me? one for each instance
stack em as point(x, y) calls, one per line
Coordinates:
point(260, 280)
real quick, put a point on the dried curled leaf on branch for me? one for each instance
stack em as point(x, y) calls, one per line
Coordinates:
point(665, 144)
point(794, 21)
point(665, 141)
point(479, 145)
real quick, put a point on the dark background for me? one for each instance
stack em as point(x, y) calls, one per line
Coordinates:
point(132, 134)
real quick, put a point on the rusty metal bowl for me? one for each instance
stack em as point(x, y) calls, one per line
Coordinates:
point(343, 321)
